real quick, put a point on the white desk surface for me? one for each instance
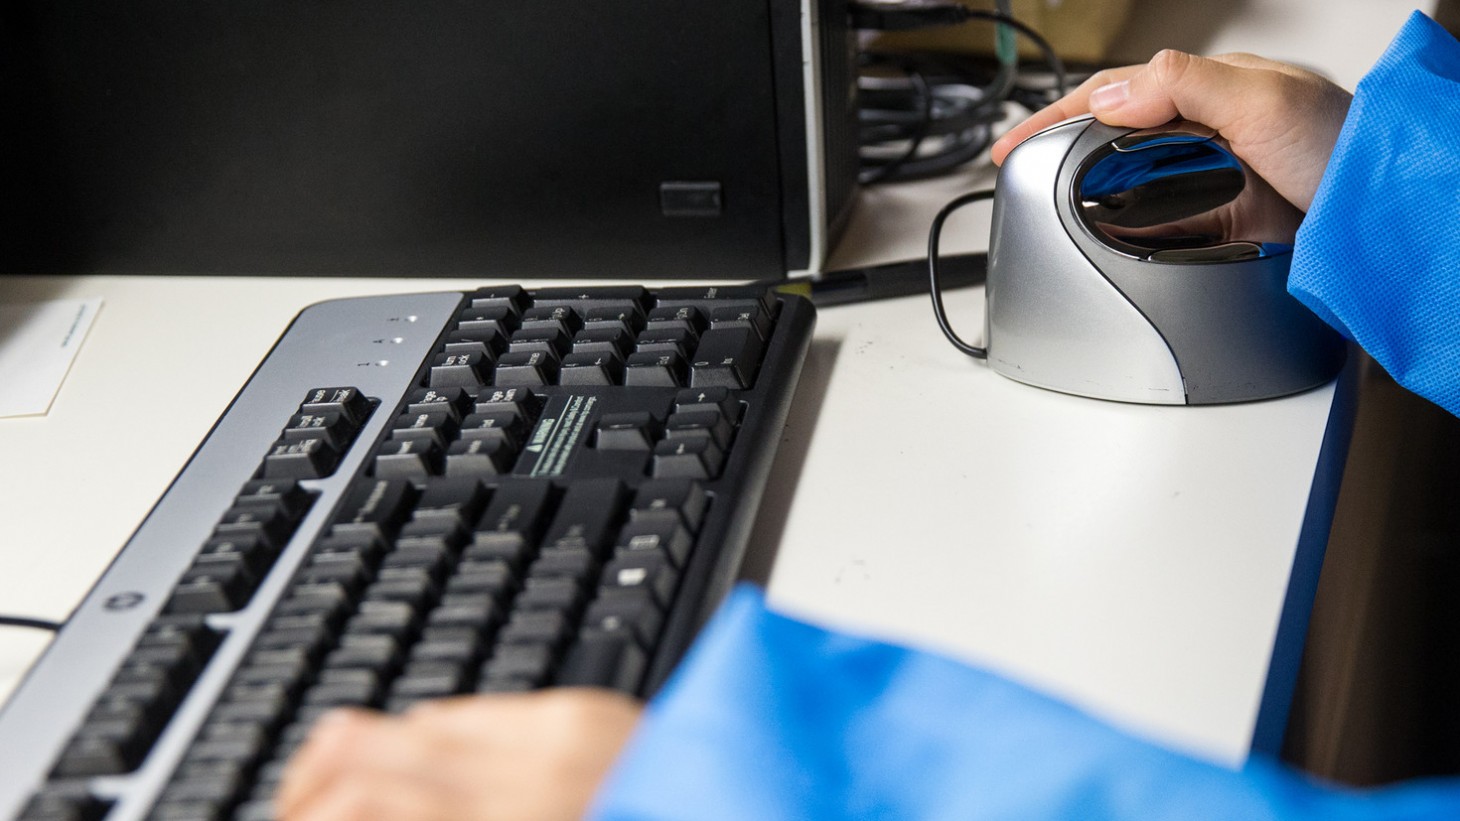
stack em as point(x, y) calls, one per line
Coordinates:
point(1133, 559)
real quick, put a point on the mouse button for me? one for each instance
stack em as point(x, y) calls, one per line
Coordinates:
point(1181, 131)
point(1078, 119)
point(1226, 252)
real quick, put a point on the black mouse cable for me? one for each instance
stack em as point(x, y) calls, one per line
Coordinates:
point(33, 623)
point(935, 289)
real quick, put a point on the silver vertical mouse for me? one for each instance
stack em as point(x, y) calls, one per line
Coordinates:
point(1146, 266)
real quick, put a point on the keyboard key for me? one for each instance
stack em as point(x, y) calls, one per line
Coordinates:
point(655, 370)
point(375, 507)
point(571, 562)
point(396, 619)
point(518, 512)
point(409, 459)
point(431, 680)
point(270, 494)
point(587, 515)
point(480, 613)
point(591, 369)
point(716, 296)
point(718, 398)
point(310, 458)
point(479, 458)
point(364, 651)
point(494, 578)
point(523, 665)
point(459, 501)
point(253, 551)
point(661, 535)
point(565, 594)
point(212, 587)
point(488, 325)
point(510, 297)
point(459, 370)
point(523, 369)
point(666, 340)
point(435, 426)
point(687, 458)
point(333, 427)
point(561, 318)
point(349, 573)
point(683, 497)
point(696, 422)
point(217, 790)
point(726, 357)
point(601, 659)
point(642, 570)
point(633, 612)
point(626, 318)
point(494, 425)
point(686, 318)
point(518, 401)
point(455, 401)
point(626, 431)
point(614, 339)
point(546, 628)
point(550, 339)
point(348, 402)
point(273, 527)
point(611, 297)
point(751, 316)
point(465, 648)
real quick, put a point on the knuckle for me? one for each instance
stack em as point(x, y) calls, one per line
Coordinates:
point(1169, 67)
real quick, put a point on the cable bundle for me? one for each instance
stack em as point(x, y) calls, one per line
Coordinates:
point(922, 113)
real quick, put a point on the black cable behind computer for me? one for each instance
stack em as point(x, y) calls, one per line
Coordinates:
point(923, 114)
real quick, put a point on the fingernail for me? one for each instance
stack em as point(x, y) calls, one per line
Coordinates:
point(1111, 96)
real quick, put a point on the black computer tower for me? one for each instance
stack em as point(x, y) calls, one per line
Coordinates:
point(490, 138)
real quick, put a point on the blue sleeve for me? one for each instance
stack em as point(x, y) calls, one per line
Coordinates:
point(772, 718)
point(1378, 256)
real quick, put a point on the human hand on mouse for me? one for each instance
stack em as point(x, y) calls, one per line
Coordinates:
point(538, 755)
point(1281, 120)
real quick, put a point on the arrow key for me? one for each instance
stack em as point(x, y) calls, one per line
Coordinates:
point(688, 458)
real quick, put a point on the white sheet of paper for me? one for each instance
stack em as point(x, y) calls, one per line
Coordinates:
point(38, 343)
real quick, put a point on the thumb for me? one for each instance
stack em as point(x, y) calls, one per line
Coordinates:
point(1174, 84)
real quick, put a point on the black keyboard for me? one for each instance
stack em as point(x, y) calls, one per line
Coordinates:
point(413, 497)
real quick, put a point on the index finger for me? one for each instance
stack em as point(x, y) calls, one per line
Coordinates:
point(1074, 104)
